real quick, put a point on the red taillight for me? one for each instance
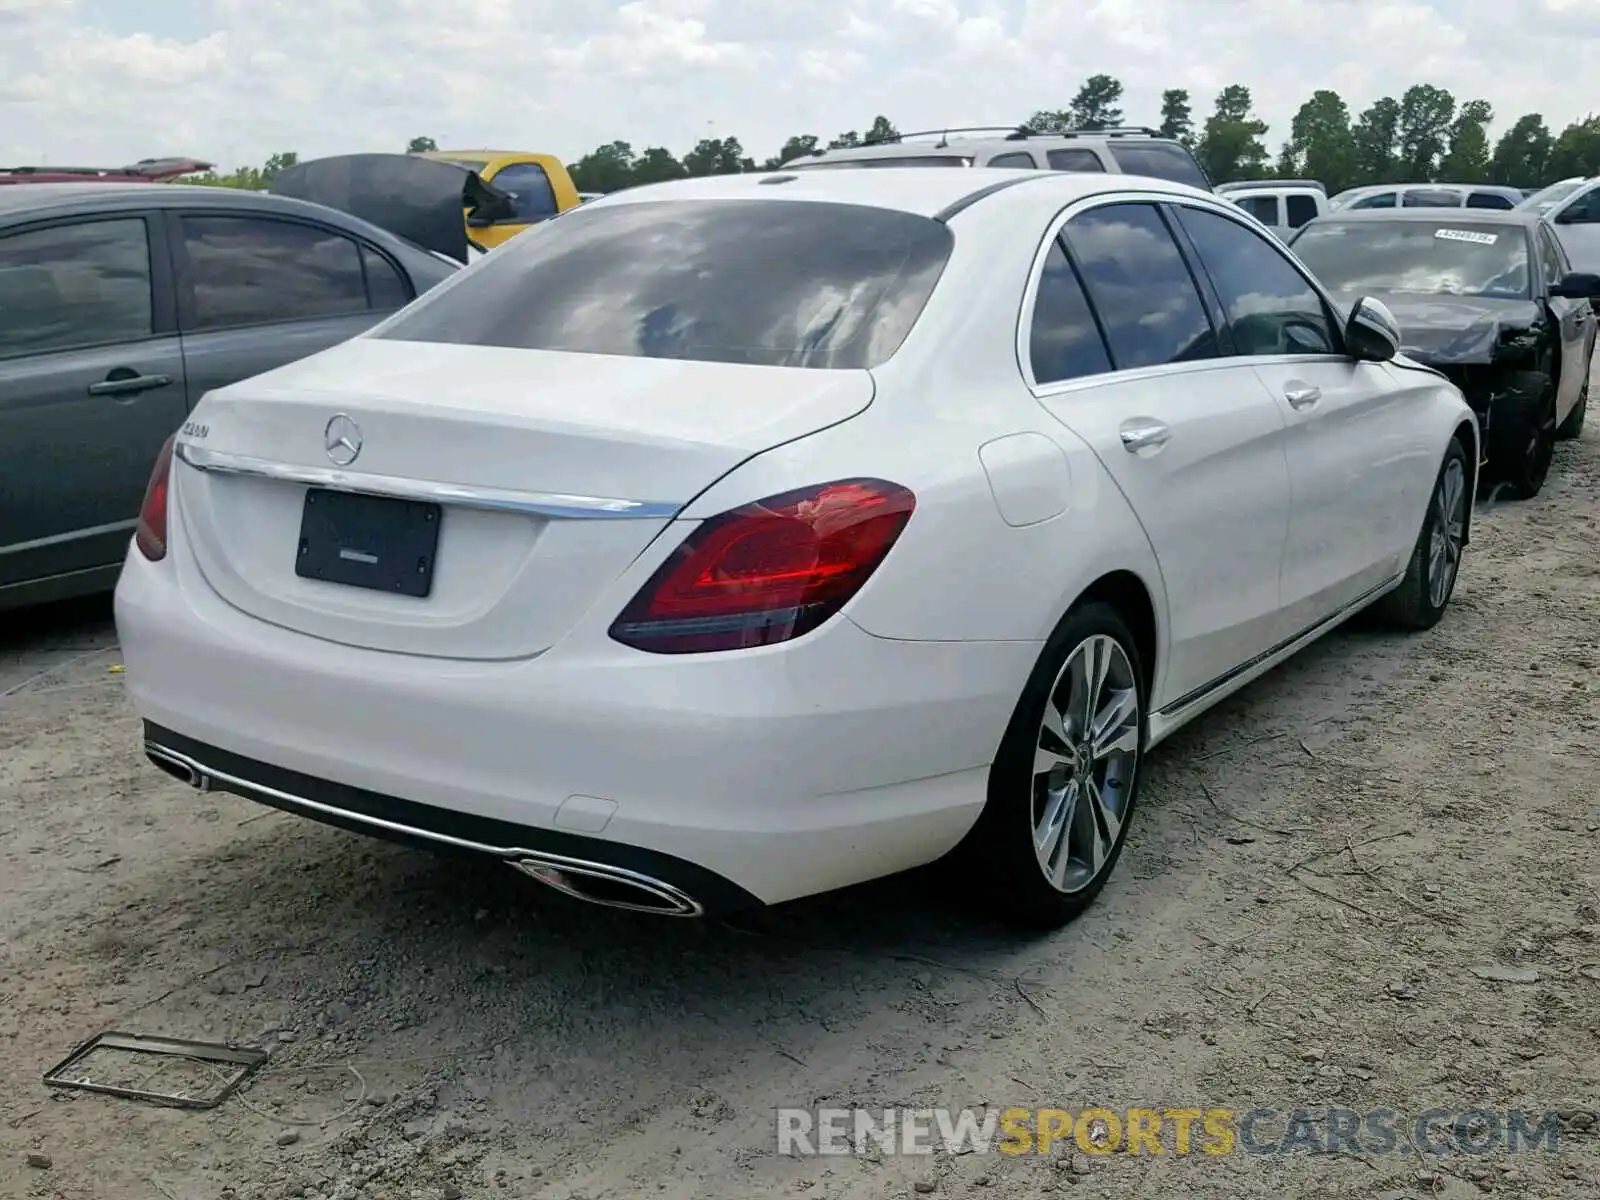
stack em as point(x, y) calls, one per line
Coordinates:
point(151, 535)
point(769, 571)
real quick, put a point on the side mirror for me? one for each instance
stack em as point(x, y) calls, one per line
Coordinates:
point(1578, 285)
point(1372, 334)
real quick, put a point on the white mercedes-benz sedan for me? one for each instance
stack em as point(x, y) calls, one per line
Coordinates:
point(736, 539)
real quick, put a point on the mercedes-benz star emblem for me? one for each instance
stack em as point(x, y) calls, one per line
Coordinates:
point(342, 440)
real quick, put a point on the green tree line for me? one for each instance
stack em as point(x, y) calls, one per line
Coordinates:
point(1425, 135)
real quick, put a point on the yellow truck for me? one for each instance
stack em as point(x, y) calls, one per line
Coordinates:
point(538, 185)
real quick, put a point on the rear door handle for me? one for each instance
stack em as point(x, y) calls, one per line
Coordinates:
point(1140, 435)
point(1303, 397)
point(126, 385)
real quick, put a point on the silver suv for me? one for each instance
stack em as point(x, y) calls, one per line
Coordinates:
point(1130, 150)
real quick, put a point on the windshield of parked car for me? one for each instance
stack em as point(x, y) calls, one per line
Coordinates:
point(1436, 258)
point(763, 282)
point(903, 160)
point(1545, 199)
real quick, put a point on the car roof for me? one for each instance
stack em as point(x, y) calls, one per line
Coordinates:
point(1476, 216)
point(958, 144)
point(52, 197)
point(925, 191)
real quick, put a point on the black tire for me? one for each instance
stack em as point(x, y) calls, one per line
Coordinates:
point(1414, 605)
point(1000, 849)
point(1522, 434)
point(1573, 426)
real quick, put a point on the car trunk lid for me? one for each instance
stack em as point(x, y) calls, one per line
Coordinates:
point(552, 472)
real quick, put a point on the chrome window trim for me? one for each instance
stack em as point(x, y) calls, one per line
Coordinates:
point(1221, 207)
point(558, 505)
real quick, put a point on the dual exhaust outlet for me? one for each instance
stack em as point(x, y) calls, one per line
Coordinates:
point(592, 882)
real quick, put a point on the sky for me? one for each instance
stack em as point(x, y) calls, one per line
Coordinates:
point(100, 82)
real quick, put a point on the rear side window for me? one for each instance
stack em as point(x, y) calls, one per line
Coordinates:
point(1381, 200)
point(1271, 308)
point(1063, 341)
point(1162, 160)
point(1262, 208)
point(385, 287)
point(1301, 209)
point(254, 270)
point(1488, 200)
point(769, 283)
point(84, 284)
point(1018, 161)
point(1140, 286)
point(1074, 160)
point(1430, 198)
point(532, 198)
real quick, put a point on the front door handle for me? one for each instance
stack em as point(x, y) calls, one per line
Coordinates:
point(1143, 435)
point(122, 382)
point(1303, 397)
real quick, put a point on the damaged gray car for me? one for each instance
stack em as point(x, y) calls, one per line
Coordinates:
point(1489, 300)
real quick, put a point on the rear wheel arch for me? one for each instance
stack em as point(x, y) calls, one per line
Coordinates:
point(1127, 594)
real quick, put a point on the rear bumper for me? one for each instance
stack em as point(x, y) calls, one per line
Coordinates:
point(757, 776)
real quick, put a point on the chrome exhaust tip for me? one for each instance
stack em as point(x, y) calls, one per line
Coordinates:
point(610, 887)
point(179, 768)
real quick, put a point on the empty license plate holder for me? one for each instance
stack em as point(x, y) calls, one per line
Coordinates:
point(382, 543)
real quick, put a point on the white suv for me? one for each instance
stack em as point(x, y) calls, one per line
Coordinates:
point(1131, 150)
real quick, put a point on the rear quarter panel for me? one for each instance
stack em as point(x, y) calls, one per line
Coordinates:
point(960, 571)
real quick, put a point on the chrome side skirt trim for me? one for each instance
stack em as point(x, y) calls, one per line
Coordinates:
point(1165, 721)
point(558, 505)
point(554, 870)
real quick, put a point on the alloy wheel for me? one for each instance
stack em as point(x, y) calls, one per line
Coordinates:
point(1084, 764)
point(1448, 532)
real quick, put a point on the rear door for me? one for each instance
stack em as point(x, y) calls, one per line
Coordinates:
point(257, 290)
point(91, 385)
point(1191, 438)
point(1354, 451)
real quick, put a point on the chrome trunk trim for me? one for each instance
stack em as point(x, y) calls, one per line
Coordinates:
point(556, 505)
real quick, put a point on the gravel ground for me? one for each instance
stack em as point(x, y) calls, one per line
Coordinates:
point(440, 1032)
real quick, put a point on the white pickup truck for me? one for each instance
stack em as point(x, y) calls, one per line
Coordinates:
point(1281, 206)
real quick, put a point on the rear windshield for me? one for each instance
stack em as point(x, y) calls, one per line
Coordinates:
point(903, 160)
point(1438, 258)
point(778, 283)
point(1161, 160)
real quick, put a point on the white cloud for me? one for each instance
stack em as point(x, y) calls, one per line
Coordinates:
point(235, 80)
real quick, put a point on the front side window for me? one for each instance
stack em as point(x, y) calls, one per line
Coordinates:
point(1442, 257)
point(532, 197)
point(764, 282)
point(1378, 200)
point(1063, 340)
point(1271, 308)
point(254, 270)
point(75, 285)
point(1140, 286)
point(1161, 160)
point(1074, 160)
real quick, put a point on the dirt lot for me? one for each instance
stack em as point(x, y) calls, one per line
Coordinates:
point(441, 1032)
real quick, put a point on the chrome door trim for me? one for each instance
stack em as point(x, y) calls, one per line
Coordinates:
point(558, 505)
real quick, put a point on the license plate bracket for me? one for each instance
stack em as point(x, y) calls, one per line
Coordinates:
point(381, 543)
